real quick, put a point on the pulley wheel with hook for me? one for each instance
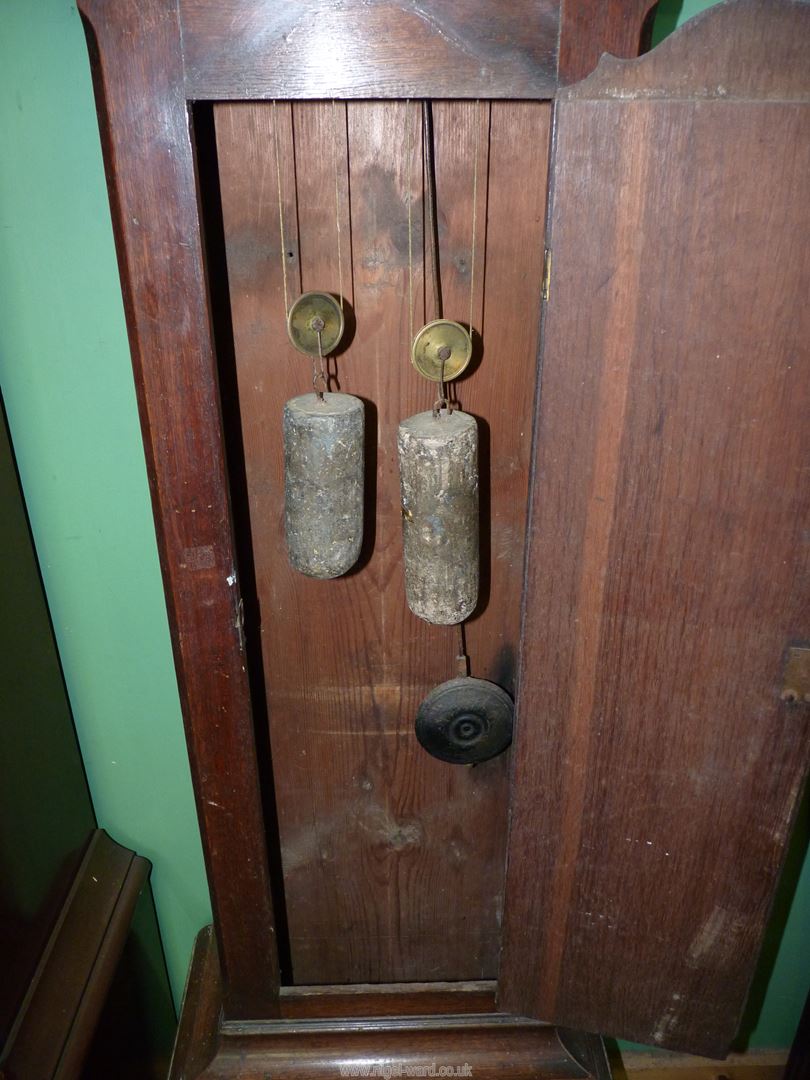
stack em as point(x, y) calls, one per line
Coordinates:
point(441, 350)
point(315, 313)
point(465, 721)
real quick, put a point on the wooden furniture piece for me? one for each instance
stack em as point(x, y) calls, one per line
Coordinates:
point(798, 1064)
point(673, 515)
point(41, 852)
point(57, 1020)
point(69, 893)
point(372, 903)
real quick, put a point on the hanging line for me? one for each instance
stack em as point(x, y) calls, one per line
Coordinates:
point(335, 140)
point(410, 216)
point(280, 213)
point(429, 171)
point(337, 198)
point(430, 199)
point(433, 228)
point(319, 374)
point(463, 659)
point(477, 121)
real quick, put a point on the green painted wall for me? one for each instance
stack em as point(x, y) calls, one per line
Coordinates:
point(68, 388)
point(67, 381)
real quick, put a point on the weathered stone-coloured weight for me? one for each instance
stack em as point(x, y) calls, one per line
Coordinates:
point(438, 467)
point(323, 482)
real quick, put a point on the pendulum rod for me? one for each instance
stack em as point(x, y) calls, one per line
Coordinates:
point(465, 720)
point(463, 659)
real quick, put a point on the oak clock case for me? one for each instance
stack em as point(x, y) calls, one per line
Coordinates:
point(643, 586)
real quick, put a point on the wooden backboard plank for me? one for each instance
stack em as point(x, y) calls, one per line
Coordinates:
point(393, 861)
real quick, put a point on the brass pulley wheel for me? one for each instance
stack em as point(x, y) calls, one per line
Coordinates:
point(441, 344)
point(311, 314)
point(465, 721)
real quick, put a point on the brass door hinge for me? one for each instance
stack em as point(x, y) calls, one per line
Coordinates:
point(546, 274)
point(796, 679)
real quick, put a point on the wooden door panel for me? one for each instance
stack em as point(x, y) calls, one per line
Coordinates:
point(393, 862)
point(657, 768)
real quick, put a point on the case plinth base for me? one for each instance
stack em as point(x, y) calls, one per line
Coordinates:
point(317, 1043)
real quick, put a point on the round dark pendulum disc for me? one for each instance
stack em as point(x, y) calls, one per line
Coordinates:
point(465, 721)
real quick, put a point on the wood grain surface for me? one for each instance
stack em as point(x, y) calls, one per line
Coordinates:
point(589, 28)
point(388, 999)
point(68, 989)
point(711, 56)
point(370, 49)
point(393, 861)
point(657, 768)
point(195, 1043)
point(490, 1047)
point(396, 1037)
point(145, 135)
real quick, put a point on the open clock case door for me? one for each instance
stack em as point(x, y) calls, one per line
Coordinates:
point(358, 889)
point(662, 717)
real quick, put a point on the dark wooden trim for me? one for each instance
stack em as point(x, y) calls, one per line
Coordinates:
point(151, 177)
point(150, 59)
point(202, 999)
point(589, 28)
point(239, 49)
point(493, 1048)
point(657, 613)
point(587, 1049)
point(493, 1045)
point(196, 1041)
point(58, 1016)
point(388, 999)
point(798, 1063)
point(702, 59)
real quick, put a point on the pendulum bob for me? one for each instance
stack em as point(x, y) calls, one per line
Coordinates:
point(323, 482)
point(465, 721)
point(438, 465)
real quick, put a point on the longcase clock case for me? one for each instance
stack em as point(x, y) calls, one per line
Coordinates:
point(641, 383)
